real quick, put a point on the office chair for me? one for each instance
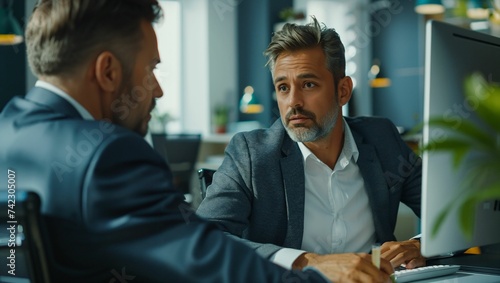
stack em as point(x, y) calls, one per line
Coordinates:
point(31, 247)
point(181, 153)
point(205, 177)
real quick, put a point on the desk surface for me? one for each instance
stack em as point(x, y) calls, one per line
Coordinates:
point(484, 268)
point(483, 263)
point(464, 277)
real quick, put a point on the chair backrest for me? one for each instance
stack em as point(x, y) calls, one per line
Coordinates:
point(26, 246)
point(205, 178)
point(181, 153)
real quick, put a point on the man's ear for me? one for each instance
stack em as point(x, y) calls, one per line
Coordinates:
point(345, 90)
point(108, 71)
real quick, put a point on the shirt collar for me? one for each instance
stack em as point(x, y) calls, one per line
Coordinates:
point(350, 147)
point(81, 110)
point(349, 150)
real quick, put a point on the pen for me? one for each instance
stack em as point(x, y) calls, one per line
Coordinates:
point(376, 255)
point(376, 259)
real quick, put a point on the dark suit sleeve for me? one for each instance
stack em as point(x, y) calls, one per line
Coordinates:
point(143, 228)
point(228, 201)
point(409, 172)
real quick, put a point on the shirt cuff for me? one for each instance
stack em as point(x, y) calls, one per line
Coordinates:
point(285, 257)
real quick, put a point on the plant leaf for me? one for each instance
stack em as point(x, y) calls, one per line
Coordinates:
point(468, 207)
point(457, 147)
point(484, 97)
point(459, 155)
point(460, 136)
point(440, 219)
point(465, 129)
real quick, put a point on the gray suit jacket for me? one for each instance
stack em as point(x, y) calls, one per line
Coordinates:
point(109, 204)
point(257, 193)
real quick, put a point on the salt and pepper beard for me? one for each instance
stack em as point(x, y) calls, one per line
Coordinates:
point(127, 100)
point(301, 133)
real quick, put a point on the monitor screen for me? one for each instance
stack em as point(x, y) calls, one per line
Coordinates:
point(451, 54)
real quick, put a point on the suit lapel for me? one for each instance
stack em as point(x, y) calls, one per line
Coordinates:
point(58, 104)
point(294, 185)
point(375, 185)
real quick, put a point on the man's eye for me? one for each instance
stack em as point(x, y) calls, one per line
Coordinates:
point(282, 88)
point(309, 85)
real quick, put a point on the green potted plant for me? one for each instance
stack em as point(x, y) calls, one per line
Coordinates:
point(221, 118)
point(467, 138)
point(289, 14)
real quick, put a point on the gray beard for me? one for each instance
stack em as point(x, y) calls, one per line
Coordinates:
point(317, 131)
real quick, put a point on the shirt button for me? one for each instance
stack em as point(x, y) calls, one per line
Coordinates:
point(344, 163)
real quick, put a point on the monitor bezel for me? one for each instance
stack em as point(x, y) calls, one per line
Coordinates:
point(441, 83)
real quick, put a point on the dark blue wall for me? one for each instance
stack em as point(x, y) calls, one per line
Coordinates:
point(399, 46)
point(13, 63)
point(255, 26)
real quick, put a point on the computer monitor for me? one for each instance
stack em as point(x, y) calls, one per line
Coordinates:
point(451, 54)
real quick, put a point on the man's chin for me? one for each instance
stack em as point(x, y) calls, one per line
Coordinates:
point(295, 133)
point(302, 134)
point(297, 128)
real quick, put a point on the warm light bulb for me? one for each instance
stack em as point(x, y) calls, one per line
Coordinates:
point(429, 9)
point(248, 89)
point(248, 103)
point(10, 39)
point(375, 69)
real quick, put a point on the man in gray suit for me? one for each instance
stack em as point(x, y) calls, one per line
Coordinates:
point(76, 139)
point(316, 185)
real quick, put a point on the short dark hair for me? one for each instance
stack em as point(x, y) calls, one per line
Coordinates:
point(294, 37)
point(63, 34)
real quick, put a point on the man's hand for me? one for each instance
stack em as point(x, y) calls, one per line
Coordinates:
point(405, 252)
point(346, 267)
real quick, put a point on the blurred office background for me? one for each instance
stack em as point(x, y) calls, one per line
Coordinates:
point(213, 74)
point(212, 51)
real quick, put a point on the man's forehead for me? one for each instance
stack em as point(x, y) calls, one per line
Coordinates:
point(303, 75)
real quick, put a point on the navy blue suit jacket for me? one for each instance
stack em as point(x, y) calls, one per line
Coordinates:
point(258, 192)
point(109, 205)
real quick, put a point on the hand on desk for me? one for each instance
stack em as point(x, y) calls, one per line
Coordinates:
point(405, 252)
point(346, 267)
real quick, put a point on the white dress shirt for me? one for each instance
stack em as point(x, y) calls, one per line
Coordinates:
point(337, 214)
point(81, 110)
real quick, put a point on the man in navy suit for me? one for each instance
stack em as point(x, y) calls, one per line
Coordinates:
point(316, 186)
point(76, 139)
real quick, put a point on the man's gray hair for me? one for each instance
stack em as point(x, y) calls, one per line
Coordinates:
point(294, 37)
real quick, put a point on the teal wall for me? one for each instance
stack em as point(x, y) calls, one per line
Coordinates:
point(256, 20)
point(13, 63)
point(399, 45)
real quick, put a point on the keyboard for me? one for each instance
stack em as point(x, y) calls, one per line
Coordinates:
point(424, 272)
